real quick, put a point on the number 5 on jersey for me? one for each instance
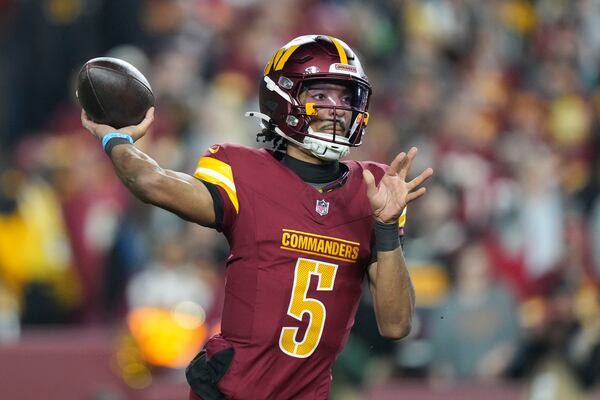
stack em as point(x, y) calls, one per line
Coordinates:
point(300, 304)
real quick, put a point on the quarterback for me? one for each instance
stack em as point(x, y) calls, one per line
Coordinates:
point(304, 228)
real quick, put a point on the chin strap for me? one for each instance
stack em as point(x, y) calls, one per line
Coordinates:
point(322, 149)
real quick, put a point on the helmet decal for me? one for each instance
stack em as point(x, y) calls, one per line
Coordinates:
point(278, 60)
point(285, 57)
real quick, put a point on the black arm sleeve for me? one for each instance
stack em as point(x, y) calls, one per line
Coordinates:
point(374, 249)
point(217, 203)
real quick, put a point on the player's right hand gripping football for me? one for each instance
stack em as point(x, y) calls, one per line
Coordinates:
point(135, 131)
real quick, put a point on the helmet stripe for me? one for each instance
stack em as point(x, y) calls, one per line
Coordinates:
point(285, 57)
point(278, 56)
point(273, 60)
point(340, 49)
point(268, 67)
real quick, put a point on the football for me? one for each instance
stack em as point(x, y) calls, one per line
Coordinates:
point(113, 92)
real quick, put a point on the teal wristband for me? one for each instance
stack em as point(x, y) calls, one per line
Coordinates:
point(115, 135)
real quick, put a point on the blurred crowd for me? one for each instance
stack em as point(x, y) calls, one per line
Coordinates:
point(502, 98)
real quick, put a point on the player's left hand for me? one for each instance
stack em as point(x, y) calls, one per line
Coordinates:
point(394, 193)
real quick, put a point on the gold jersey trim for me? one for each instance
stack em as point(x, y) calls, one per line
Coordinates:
point(402, 219)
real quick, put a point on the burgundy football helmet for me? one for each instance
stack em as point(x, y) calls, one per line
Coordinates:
point(300, 63)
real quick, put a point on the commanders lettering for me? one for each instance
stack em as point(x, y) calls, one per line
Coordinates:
point(345, 67)
point(322, 245)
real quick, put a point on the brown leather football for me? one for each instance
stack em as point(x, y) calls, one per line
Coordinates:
point(113, 92)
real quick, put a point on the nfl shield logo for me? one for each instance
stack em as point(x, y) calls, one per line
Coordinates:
point(322, 207)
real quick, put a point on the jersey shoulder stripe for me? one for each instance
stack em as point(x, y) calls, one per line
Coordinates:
point(219, 173)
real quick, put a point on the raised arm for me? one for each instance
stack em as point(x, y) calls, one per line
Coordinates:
point(174, 191)
point(389, 280)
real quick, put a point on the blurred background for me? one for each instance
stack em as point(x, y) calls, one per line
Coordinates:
point(105, 298)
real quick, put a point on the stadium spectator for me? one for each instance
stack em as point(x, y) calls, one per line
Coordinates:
point(475, 329)
point(559, 353)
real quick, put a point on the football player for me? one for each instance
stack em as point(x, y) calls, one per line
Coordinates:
point(304, 228)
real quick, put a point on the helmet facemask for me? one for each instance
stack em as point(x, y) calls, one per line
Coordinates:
point(338, 107)
point(334, 113)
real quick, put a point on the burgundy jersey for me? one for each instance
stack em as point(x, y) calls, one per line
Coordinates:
point(298, 259)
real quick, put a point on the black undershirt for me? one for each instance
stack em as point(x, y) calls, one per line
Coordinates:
point(320, 174)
